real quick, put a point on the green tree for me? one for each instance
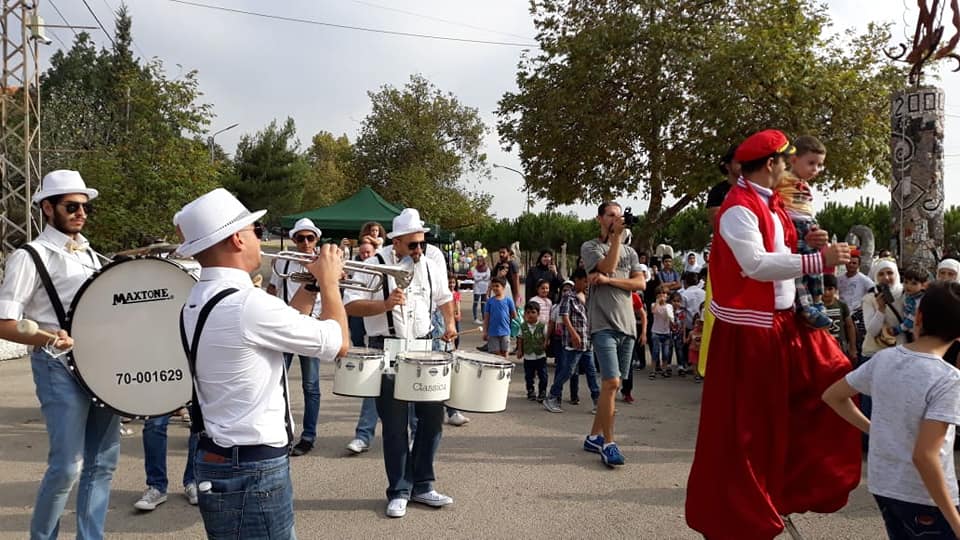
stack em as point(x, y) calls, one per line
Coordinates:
point(130, 131)
point(690, 229)
point(328, 180)
point(951, 231)
point(641, 97)
point(838, 219)
point(415, 149)
point(268, 171)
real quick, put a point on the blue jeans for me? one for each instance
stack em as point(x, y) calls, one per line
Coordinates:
point(614, 352)
point(367, 423)
point(563, 372)
point(155, 453)
point(251, 499)
point(478, 301)
point(409, 470)
point(84, 442)
point(661, 349)
point(310, 375)
point(582, 362)
point(681, 352)
point(905, 521)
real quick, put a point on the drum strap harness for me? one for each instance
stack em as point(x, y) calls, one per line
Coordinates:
point(386, 294)
point(48, 285)
point(196, 414)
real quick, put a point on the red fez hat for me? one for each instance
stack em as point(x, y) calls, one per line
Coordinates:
point(762, 144)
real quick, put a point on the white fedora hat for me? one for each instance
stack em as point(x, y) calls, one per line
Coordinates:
point(407, 222)
point(304, 224)
point(211, 218)
point(62, 182)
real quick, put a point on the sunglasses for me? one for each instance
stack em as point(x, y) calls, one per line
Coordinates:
point(72, 207)
point(414, 245)
point(300, 238)
point(257, 230)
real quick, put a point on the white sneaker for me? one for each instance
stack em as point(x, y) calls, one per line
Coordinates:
point(432, 498)
point(190, 490)
point(478, 321)
point(457, 419)
point(357, 446)
point(151, 499)
point(397, 508)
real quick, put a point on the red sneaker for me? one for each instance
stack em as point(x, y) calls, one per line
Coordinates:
point(628, 398)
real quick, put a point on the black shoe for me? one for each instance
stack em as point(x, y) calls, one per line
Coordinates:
point(301, 448)
point(531, 396)
point(541, 397)
point(574, 401)
point(482, 348)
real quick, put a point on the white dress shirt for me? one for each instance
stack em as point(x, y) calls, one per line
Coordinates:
point(22, 294)
point(417, 308)
point(292, 286)
point(240, 357)
point(740, 229)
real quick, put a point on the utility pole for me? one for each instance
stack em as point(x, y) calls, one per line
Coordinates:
point(526, 186)
point(19, 122)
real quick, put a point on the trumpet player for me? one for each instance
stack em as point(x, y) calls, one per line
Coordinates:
point(242, 463)
point(405, 313)
point(305, 236)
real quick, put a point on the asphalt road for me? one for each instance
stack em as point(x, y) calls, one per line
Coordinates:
point(517, 474)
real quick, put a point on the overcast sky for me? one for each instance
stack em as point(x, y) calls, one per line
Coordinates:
point(253, 69)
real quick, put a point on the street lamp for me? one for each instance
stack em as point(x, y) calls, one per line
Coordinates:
point(211, 137)
point(526, 186)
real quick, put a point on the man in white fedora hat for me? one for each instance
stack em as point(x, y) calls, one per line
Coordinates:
point(39, 283)
point(405, 314)
point(235, 335)
point(305, 236)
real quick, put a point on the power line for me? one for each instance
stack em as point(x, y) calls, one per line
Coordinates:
point(54, 34)
point(438, 19)
point(64, 19)
point(348, 27)
point(110, 37)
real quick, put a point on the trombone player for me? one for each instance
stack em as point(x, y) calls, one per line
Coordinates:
point(305, 236)
point(397, 311)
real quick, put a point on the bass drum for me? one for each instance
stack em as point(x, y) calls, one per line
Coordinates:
point(127, 352)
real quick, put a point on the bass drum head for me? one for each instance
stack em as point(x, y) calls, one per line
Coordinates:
point(125, 322)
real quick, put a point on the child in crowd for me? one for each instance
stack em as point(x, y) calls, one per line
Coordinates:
point(543, 299)
point(914, 285)
point(805, 165)
point(661, 349)
point(455, 289)
point(531, 348)
point(693, 340)
point(497, 314)
point(916, 404)
point(678, 332)
point(841, 322)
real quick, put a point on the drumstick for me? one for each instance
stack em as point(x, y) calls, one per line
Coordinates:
point(471, 331)
point(30, 328)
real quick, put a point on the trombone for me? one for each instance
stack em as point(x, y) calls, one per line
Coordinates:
point(401, 273)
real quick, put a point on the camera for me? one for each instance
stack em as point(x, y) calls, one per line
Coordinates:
point(628, 218)
point(883, 291)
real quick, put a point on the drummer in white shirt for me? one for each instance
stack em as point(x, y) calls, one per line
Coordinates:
point(410, 472)
point(242, 466)
point(84, 438)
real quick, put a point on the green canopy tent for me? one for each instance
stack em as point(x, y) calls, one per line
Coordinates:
point(344, 219)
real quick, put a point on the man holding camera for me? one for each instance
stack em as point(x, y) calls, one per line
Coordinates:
point(614, 272)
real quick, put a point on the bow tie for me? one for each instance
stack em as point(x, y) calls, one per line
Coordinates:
point(74, 246)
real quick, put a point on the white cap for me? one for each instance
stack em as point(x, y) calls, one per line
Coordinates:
point(304, 224)
point(407, 222)
point(62, 182)
point(211, 218)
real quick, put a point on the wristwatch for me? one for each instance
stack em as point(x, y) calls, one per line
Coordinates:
point(312, 287)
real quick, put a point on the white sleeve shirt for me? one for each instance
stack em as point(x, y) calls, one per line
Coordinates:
point(292, 286)
point(740, 229)
point(240, 357)
point(22, 294)
point(417, 308)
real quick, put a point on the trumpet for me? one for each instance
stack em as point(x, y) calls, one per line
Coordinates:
point(401, 273)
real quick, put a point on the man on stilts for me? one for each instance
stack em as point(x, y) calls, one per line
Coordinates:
point(767, 446)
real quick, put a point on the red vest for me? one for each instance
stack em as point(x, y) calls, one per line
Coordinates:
point(738, 299)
